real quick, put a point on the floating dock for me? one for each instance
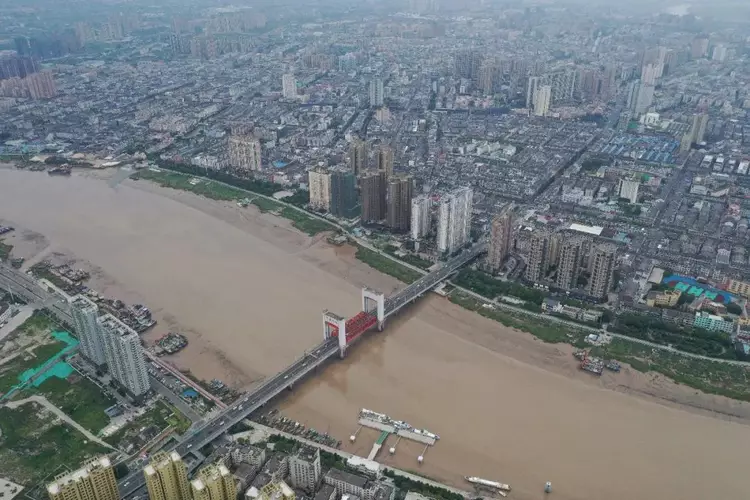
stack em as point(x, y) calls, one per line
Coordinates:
point(414, 435)
point(387, 426)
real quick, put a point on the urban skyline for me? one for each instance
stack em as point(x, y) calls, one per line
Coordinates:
point(571, 180)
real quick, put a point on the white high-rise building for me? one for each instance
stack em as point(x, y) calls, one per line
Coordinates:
point(629, 190)
point(86, 321)
point(289, 86)
point(648, 74)
point(454, 220)
point(320, 189)
point(376, 93)
point(641, 97)
point(420, 216)
point(719, 53)
point(124, 354)
point(542, 98)
point(304, 469)
point(563, 85)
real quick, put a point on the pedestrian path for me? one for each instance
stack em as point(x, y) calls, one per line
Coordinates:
point(57, 411)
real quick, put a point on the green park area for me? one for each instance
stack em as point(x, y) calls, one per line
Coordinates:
point(544, 330)
point(223, 192)
point(712, 377)
point(686, 339)
point(34, 445)
point(212, 190)
point(41, 370)
point(487, 286)
point(387, 266)
point(12, 370)
point(309, 225)
point(79, 398)
point(405, 485)
point(410, 259)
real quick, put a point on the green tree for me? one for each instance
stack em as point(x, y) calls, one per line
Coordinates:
point(733, 308)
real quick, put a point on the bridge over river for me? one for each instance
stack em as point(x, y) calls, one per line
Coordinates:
point(338, 335)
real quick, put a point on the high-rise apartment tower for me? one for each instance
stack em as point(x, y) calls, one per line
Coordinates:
point(214, 482)
point(94, 481)
point(372, 187)
point(166, 477)
point(501, 238)
point(603, 260)
point(400, 191)
point(86, 322)
point(358, 156)
point(125, 358)
point(454, 220)
point(420, 216)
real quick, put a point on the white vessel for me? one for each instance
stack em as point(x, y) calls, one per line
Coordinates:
point(399, 425)
point(487, 483)
point(425, 432)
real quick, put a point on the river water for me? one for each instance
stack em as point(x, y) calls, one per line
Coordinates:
point(249, 290)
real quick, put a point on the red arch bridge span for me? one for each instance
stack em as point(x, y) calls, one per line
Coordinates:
point(347, 331)
point(376, 307)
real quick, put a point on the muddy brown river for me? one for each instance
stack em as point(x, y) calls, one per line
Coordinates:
point(249, 290)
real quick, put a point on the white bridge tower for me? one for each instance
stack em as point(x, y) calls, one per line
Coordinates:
point(373, 302)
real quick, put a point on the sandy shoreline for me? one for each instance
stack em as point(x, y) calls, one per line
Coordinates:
point(248, 289)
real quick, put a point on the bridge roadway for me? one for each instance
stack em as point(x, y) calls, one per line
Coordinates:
point(271, 387)
point(395, 302)
point(24, 285)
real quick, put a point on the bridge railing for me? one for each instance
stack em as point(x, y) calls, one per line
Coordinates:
point(394, 302)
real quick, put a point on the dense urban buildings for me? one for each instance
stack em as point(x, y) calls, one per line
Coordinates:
point(95, 480)
point(620, 134)
point(214, 482)
point(167, 478)
point(245, 152)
